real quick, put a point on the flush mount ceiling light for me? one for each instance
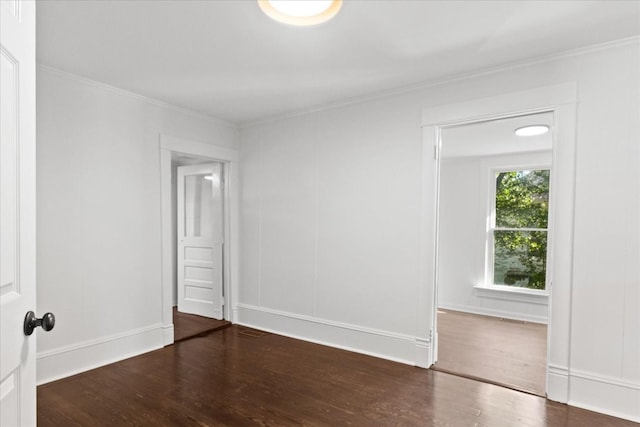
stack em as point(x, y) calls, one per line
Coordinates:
point(532, 130)
point(300, 12)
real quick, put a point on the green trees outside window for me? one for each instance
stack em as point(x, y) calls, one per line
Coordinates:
point(520, 229)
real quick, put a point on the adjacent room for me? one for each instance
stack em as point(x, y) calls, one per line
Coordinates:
point(494, 201)
point(234, 213)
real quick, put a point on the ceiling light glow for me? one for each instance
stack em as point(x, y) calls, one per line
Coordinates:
point(532, 130)
point(300, 12)
point(215, 179)
point(301, 8)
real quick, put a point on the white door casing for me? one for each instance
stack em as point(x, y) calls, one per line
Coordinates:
point(561, 100)
point(168, 146)
point(17, 212)
point(200, 220)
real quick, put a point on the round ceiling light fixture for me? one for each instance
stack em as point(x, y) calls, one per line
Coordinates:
point(300, 12)
point(532, 130)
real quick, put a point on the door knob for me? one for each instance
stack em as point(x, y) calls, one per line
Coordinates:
point(48, 321)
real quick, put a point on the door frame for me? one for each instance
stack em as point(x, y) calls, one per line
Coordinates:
point(229, 157)
point(561, 100)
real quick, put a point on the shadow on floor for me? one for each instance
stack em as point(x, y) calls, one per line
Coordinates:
point(187, 326)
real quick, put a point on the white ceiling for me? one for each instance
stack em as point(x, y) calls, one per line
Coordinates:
point(228, 60)
point(496, 137)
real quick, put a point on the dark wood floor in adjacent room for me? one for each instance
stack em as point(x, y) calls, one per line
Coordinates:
point(508, 352)
point(186, 326)
point(243, 377)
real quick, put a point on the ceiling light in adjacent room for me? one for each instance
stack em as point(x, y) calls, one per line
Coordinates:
point(300, 12)
point(215, 179)
point(532, 130)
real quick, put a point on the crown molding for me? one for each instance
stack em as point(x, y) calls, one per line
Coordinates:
point(447, 80)
point(354, 100)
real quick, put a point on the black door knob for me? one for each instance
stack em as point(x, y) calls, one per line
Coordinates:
point(48, 321)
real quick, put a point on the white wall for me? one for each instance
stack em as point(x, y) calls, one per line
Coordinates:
point(464, 199)
point(98, 218)
point(331, 220)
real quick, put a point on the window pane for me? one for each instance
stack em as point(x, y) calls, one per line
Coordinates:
point(522, 199)
point(198, 205)
point(520, 258)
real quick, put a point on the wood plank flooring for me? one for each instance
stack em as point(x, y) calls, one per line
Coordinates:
point(187, 326)
point(508, 352)
point(243, 377)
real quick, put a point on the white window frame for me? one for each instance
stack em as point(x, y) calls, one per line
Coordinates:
point(489, 239)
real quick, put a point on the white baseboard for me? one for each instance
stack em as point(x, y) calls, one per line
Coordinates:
point(167, 335)
point(423, 358)
point(558, 383)
point(603, 394)
point(66, 361)
point(385, 345)
point(496, 313)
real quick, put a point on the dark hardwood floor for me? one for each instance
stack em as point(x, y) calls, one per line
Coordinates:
point(507, 352)
point(187, 326)
point(244, 377)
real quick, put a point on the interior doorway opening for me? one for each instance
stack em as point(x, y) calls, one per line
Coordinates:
point(222, 196)
point(198, 239)
point(493, 254)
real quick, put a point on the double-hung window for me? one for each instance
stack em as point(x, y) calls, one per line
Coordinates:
point(517, 237)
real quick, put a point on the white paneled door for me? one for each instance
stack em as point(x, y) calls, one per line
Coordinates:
point(17, 212)
point(200, 239)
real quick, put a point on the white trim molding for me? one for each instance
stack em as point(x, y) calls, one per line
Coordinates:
point(167, 335)
point(531, 101)
point(483, 311)
point(196, 148)
point(557, 383)
point(427, 84)
point(604, 394)
point(372, 342)
point(561, 99)
point(512, 294)
point(74, 359)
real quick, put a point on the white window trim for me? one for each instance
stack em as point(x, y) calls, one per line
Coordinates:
point(534, 296)
point(489, 243)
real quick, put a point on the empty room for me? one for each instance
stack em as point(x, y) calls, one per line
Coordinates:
point(370, 213)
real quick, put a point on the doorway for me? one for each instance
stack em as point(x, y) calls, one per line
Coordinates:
point(493, 239)
point(198, 190)
point(199, 266)
point(561, 100)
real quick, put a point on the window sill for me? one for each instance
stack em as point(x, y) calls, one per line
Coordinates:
point(512, 294)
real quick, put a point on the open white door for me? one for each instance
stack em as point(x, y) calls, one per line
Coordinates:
point(17, 212)
point(200, 239)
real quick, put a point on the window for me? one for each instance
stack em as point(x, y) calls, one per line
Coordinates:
point(518, 229)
